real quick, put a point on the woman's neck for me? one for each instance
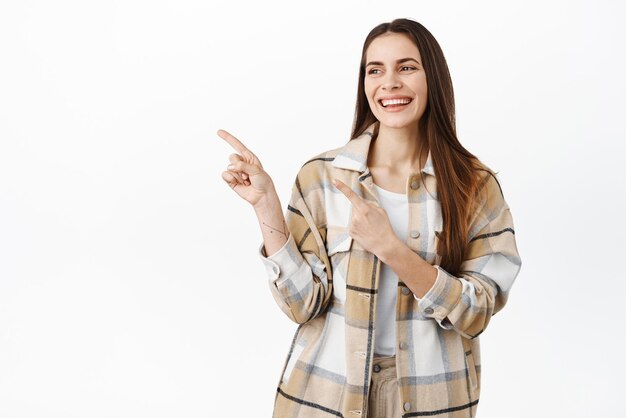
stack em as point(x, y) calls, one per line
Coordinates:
point(397, 150)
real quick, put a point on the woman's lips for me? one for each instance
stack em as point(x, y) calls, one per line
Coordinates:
point(395, 107)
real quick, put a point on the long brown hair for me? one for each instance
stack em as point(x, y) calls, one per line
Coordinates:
point(457, 170)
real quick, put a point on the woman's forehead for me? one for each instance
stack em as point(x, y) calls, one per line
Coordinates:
point(391, 47)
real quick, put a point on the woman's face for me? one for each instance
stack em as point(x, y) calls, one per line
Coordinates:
point(394, 71)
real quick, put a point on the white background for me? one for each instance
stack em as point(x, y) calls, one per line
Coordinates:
point(129, 280)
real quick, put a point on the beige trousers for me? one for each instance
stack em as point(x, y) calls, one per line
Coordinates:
point(384, 399)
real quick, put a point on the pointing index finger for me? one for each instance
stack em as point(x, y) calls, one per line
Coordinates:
point(348, 192)
point(234, 142)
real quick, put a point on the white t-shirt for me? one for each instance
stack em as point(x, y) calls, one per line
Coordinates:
point(397, 207)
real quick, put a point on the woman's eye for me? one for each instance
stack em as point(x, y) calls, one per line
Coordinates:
point(373, 70)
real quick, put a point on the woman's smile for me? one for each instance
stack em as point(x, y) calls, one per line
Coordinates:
point(395, 105)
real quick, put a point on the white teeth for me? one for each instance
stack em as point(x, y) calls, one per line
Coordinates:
point(386, 103)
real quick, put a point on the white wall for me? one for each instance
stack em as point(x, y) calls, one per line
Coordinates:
point(129, 281)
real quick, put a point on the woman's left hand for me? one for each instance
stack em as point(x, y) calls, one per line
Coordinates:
point(369, 224)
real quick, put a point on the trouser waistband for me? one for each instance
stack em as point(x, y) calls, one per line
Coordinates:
point(384, 365)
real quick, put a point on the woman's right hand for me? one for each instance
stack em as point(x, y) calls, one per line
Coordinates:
point(245, 174)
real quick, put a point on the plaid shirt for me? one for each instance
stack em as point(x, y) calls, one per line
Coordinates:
point(326, 282)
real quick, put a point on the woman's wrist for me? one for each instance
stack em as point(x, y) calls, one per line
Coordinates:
point(391, 249)
point(267, 204)
point(272, 222)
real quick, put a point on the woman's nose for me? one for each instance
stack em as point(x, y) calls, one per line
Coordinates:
point(391, 81)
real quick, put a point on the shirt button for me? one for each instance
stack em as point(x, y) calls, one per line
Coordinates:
point(428, 311)
point(376, 368)
point(415, 233)
point(405, 291)
point(415, 185)
point(403, 345)
point(407, 406)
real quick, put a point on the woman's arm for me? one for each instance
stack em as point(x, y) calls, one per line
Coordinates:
point(293, 251)
point(466, 303)
point(299, 271)
point(413, 270)
point(272, 222)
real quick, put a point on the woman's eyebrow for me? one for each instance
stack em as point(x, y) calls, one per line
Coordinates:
point(400, 61)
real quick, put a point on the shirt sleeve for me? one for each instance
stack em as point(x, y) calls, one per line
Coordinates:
point(299, 273)
point(466, 303)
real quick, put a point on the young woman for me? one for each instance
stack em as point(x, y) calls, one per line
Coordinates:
point(395, 250)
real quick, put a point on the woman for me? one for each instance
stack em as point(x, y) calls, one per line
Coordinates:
point(395, 249)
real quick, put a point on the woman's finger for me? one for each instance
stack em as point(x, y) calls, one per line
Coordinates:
point(234, 142)
point(233, 179)
point(245, 155)
point(230, 179)
point(233, 158)
point(236, 175)
point(241, 166)
point(355, 199)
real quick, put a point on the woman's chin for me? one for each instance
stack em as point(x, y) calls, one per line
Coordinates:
point(397, 122)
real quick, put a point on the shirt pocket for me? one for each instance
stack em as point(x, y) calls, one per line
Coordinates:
point(337, 240)
point(338, 245)
point(472, 373)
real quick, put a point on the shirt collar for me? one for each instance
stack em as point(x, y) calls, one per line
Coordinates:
point(353, 155)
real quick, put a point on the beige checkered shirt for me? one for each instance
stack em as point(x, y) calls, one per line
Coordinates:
point(327, 283)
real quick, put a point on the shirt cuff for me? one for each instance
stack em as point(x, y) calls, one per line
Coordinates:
point(441, 298)
point(283, 263)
